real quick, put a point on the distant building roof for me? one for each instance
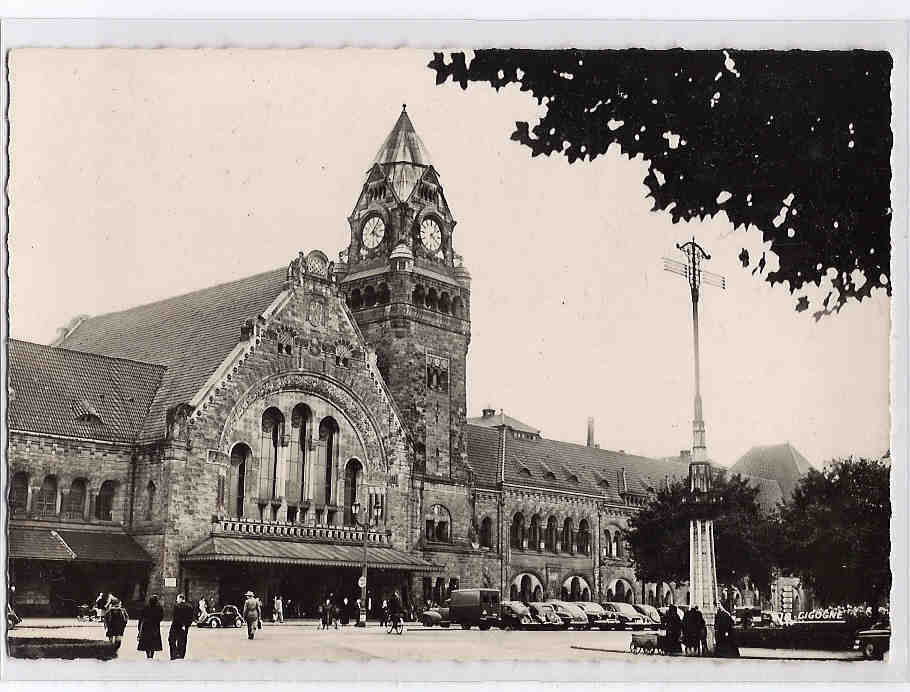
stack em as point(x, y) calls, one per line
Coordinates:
point(491, 419)
point(190, 334)
point(555, 465)
point(63, 392)
point(781, 462)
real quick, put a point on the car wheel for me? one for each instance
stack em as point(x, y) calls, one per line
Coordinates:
point(484, 627)
point(870, 650)
point(465, 626)
point(427, 623)
point(213, 623)
point(238, 622)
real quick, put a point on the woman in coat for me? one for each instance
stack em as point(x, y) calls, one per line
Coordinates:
point(150, 628)
point(115, 620)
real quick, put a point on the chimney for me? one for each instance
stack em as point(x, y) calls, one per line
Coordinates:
point(489, 412)
point(590, 432)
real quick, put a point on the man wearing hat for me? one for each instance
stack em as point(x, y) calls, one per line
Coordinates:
point(180, 627)
point(252, 612)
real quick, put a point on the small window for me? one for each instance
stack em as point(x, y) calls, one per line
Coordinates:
point(104, 505)
point(46, 501)
point(18, 496)
point(150, 501)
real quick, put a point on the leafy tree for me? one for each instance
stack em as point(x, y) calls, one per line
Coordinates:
point(658, 535)
point(795, 143)
point(835, 531)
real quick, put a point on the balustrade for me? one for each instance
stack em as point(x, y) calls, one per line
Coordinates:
point(330, 534)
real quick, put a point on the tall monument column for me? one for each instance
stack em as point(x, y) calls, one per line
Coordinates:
point(702, 566)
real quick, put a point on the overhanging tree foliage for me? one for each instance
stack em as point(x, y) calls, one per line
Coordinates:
point(659, 534)
point(795, 143)
point(835, 531)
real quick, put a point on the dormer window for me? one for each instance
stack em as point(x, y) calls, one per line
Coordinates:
point(573, 478)
point(524, 471)
point(550, 476)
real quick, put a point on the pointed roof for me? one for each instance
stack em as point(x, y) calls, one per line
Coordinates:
point(782, 463)
point(403, 145)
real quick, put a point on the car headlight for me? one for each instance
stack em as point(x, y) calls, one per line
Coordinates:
point(483, 612)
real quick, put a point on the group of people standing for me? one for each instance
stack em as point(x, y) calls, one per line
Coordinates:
point(149, 623)
point(691, 632)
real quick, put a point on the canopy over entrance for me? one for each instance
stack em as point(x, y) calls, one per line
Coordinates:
point(74, 546)
point(284, 552)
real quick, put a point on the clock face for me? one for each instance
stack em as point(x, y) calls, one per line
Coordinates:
point(431, 235)
point(373, 232)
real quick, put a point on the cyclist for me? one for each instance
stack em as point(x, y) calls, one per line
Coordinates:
point(394, 609)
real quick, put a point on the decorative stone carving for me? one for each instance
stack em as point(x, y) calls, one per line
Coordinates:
point(176, 423)
point(318, 385)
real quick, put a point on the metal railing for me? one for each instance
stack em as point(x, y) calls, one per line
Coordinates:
point(320, 533)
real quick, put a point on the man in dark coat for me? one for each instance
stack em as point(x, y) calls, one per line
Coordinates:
point(180, 627)
point(723, 629)
point(691, 630)
point(674, 630)
point(150, 628)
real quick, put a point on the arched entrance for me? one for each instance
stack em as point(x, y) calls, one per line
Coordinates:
point(574, 589)
point(526, 587)
point(622, 591)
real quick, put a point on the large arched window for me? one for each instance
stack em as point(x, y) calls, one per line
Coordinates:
point(552, 531)
point(517, 534)
point(46, 501)
point(301, 427)
point(75, 501)
point(584, 538)
point(104, 505)
point(607, 549)
point(18, 495)
point(328, 436)
point(353, 473)
point(486, 532)
point(270, 443)
point(240, 454)
point(150, 500)
point(438, 524)
point(534, 533)
point(568, 529)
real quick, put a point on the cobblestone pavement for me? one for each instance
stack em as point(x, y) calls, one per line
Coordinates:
point(303, 640)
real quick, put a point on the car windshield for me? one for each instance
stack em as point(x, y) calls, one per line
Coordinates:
point(517, 607)
point(591, 608)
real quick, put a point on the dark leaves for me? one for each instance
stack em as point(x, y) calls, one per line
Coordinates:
point(809, 127)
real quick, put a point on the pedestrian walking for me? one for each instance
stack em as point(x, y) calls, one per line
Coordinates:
point(691, 631)
point(150, 627)
point(345, 612)
point(115, 620)
point(278, 607)
point(723, 629)
point(674, 631)
point(180, 627)
point(252, 613)
point(203, 607)
point(384, 613)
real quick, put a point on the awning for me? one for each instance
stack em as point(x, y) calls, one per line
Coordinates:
point(74, 546)
point(281, 552)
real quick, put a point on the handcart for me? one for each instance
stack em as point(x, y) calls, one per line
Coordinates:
point(648, 642)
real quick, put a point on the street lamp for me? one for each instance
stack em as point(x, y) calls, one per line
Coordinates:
point(366, 526)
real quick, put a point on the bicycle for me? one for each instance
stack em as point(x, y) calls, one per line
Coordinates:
point(396, 625)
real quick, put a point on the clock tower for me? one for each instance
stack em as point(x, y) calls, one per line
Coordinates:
point(410, 294)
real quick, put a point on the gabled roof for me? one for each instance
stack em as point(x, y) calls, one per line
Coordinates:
point(403, 145)
point(190, 334)
point(781, 462)
point(591, 465)
point(64, 392)
point(500, 419)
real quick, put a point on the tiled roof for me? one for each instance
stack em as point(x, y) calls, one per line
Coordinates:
point(64, 392)
point(483, 454)
point(599, 471)
point(94, 546)
point(781, 463)
point(263, 550)
point(190, 334)
point(501, 419)
point(36, 544)
point(88, 546)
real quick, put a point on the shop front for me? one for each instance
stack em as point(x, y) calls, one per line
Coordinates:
point(304, 573)
point(53, 571)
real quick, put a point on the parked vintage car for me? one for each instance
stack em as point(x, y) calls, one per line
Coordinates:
point(570, 614)
point(228, 616)
point(652, 617)
point(597, 616)
point(515, 615)
point(474, 607)
point(546, 615)
point(437, 615)
point(874, 642)
point(629, 618)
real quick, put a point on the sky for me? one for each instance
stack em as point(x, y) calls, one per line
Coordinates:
point(141, 174)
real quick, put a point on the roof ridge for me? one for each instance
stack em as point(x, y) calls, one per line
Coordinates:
point(92, 354)
point(211, 287)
